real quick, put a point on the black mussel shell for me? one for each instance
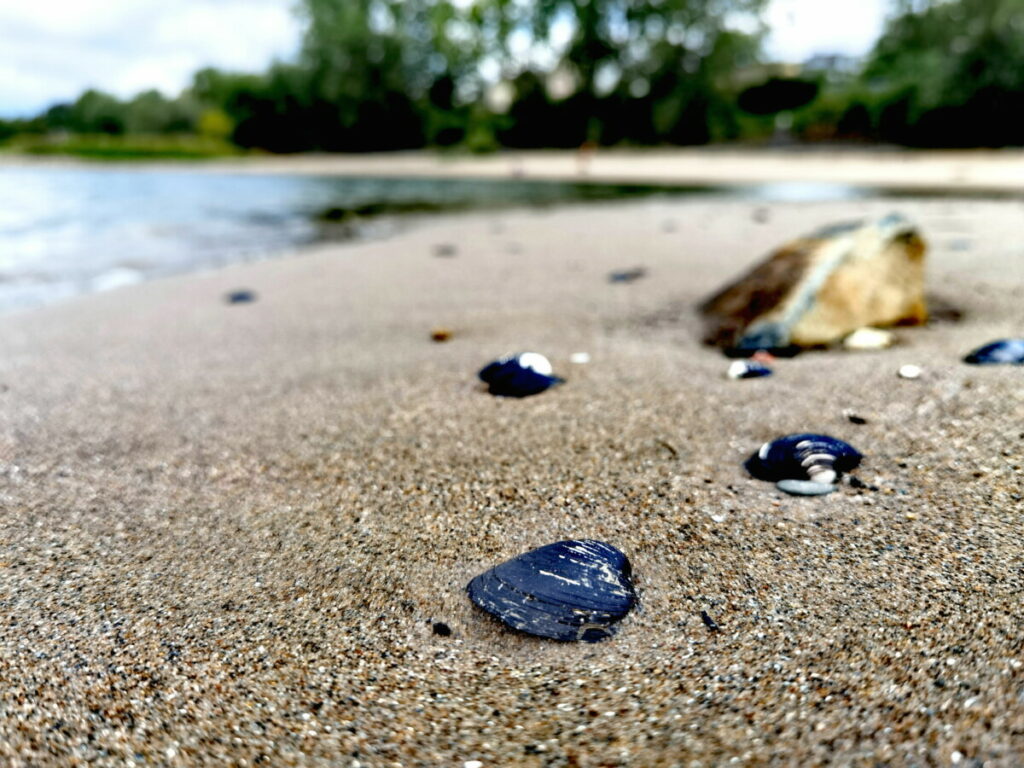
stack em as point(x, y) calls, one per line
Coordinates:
point(510, 377)
point(1004, 351)
point(768, 339)
point(572, 590)
point(240, 297)
point(750, 369)
point(792, 456)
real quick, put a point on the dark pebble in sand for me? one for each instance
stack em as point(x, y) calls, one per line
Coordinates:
point(240, 297)
point(855, 419)
point(709, 622)
point(571, 591)
point(627, 275)
point(856, 482)
point(445, 250)
point(441, 629)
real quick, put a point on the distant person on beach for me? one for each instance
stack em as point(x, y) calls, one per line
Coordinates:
point(584, 156)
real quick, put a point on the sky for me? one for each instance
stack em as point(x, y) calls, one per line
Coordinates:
point(52, 50)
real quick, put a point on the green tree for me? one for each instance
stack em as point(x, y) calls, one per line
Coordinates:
point(353, 78)
point(951, 73)
point(97, 112)
point(393, 74)
point(151, 112)
point(645, 70)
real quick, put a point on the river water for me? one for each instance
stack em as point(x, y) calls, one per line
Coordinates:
point(68, 231)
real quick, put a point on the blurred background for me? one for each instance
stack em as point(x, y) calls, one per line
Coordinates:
point(197, 78)
point(456, 87)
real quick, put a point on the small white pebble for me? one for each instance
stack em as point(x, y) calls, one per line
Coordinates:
point(736, 369)
point(472, 764)
point(869, 338)
point(537, 362)
point(910, 372)
point(956, 757)
point(580, 358)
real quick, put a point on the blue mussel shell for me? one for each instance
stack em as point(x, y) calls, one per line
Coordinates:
point(572, 590)
point(509, 377)
point(803, 456)
point(748, 369)
point(241, 296)
point(1004, 351)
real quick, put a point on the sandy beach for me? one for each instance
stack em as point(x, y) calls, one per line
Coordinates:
point(226, 531)
point(972, 171)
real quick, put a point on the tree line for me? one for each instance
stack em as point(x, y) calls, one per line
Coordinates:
point(377, 75)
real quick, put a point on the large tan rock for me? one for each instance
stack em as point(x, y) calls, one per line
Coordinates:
point(816, 290)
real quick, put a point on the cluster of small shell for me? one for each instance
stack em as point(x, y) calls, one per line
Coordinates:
point(578, 590)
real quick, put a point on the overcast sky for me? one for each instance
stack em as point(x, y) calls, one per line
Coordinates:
point(52, 50)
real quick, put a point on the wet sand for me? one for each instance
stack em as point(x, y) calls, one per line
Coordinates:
point(227, 530)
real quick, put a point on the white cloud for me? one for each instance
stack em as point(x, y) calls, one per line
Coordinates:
point(51, 51)
point(802, 28)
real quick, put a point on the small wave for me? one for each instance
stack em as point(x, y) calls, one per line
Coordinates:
point(116, 278)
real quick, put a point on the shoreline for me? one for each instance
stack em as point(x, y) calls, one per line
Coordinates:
point(953, 170)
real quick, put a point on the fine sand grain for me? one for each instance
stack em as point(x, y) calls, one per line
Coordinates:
point(227, 530)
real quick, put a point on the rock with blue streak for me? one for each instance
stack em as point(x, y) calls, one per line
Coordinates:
point(572, 591)
point(522, 375)
point(816, 290)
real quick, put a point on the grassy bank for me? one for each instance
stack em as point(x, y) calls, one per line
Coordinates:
point(134, 147)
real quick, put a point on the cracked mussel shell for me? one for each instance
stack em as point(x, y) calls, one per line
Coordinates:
point(574, 590)
point(522, 375)
point(804, 456)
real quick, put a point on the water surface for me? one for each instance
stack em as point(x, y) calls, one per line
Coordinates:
point(67, 231)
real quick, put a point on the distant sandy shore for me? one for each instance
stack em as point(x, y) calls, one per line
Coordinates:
point(975, 170)
point(226, 531)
